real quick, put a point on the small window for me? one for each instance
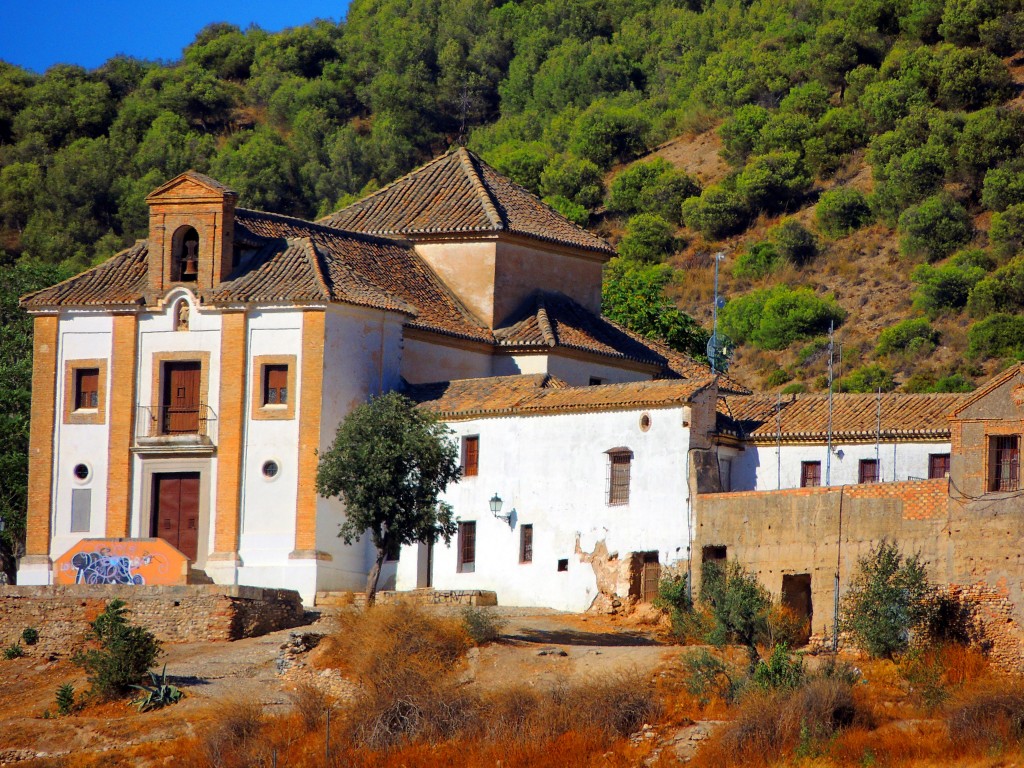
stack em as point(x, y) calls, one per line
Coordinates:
point(619, 461)
point(1004, 463)
point(471, 456)
point(81, 510)
point(596, 381)
point(270, 469)
point(810, 474)
point(714, 554)
point(563, 565)
point(467, 547)
point(868, 471)
point(938, 465)
point(87, 388)
point(275, 385)
point(526, 544)
point(82, 472)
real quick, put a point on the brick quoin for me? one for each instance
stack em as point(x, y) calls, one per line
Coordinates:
point(232, 419)
point(122, 416)
point(40, 447)
point(310, 400)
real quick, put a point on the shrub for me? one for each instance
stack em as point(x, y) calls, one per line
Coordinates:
point(708, 677)
point(1007, 231)
point(779, 670)
point(868, 378)
point(311, 704)
point(65, 698)
point(924, 382)
point(993, 718)
point(970, 79)
point(14, 651)
point(842, 211)
point(158, 694)
point(674, 598)
point(717, 213)
point(889, 597)
point(606, 133)
point(773, 318)
point(935, 228)
point(794, 242)
point(922, 669)
point(739, 606)
point(574, 212)
point(784, 131)
point(481, 625)
point(1003, 291)
point(30, 635)
point(523, 162)
point(796, 388)
point(125, 654)
point(999, 335)
point(943, 288)
point(234, 738)
point(777, 378)
point(910, 336)
point(1003, 186)
point(654, 186)
point(740, 132)
point(648, 238)
point(758, 261)
point(906, 179)
point(573, 178)
point(772, 182)
point(810, 98)
point(839, 131)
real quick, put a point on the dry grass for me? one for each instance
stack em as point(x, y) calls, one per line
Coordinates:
point(989, 719)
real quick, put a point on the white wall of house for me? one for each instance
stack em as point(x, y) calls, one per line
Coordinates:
point(757, 466)
point(426, 361)
point(82, 335)
point(575, 371)
point(553, 471)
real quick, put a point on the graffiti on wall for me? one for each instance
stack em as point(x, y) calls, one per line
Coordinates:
point(131, 562)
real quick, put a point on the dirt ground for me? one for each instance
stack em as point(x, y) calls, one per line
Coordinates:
point(537, 647)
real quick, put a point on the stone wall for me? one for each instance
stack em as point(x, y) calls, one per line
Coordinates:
point(175, 614)
point(476, 597)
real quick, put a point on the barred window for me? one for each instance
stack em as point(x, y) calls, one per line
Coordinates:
point(619, 461)
point(467, 547)
point(1004, 463)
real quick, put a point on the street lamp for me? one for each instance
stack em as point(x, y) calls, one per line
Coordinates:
point(495, 504)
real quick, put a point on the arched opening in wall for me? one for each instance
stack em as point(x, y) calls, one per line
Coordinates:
point(185, 256)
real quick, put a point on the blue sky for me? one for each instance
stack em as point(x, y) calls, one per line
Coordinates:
point(36, 34)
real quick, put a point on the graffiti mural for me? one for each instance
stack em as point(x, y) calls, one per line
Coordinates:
point(129, 562)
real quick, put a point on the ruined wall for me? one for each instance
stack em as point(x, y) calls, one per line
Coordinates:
point(176, 614)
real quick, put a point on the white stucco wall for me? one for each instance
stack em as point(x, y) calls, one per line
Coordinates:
point(553, 470)
point(82, 335)
point(573, 370)
point(425, 361)
point(757, 466)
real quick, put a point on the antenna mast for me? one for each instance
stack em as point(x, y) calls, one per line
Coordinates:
point(715, 342)
point(831, 357)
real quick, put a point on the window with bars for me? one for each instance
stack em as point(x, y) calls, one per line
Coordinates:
point(87, 388)
point(467, 547)
point(526, 544)
point(938, 465)
point(868, 472)
point(471, 456)
point(275, 385)
point(810, 474)
point(1004, 463)
point(619, 461)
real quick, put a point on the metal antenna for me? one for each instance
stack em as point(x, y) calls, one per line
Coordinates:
point(715, 344)
point(831, 358)
point(778, 438)
point(878, 438)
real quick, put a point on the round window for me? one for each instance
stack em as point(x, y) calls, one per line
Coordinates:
point(82, 472)
point(645, 422)
point(270, 469)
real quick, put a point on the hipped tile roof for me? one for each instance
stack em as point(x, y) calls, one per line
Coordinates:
point(541, 394)
point(804, 418)
point(459, 193)
point(118, 281)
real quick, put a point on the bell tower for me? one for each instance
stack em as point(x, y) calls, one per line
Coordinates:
point(191, 230)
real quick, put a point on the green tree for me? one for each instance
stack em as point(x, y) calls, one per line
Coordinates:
point(718, 212)
point(889, 598)
point(935, 228)
point(842, 211)
point(773, 318)
point(739, 605)
point(998, 335)
point(1007, 231)
point(758, 261)
point(648, 238)
point(911, 335)
point(573, 178)
point(774, 181)
point(943, 288)
point(1002, 291)
point(794, 242)
point(1004, 186)
point(868, 378)
point(653, 186)
point(389, 462)
point(634, 296)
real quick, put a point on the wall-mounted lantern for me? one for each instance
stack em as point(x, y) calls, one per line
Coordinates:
point(495, 504)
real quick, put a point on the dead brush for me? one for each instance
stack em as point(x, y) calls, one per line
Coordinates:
point(988, 720)
point(311, 704)
point(235, 738)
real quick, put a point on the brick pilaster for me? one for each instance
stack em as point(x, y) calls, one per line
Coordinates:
point(310, 402)
point(40, 445)
point(231, 431)
point(121, 373)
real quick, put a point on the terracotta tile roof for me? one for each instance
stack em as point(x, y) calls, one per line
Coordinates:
point(459, 193)
point(681, 365)
point(539, 394)
point(854, 416)
point(118, 281)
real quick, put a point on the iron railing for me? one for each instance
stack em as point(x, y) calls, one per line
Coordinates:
point(172, 421)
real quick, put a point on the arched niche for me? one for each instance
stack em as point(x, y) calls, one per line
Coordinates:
point(185, 255)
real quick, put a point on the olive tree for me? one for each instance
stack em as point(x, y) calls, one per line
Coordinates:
point(389, 462)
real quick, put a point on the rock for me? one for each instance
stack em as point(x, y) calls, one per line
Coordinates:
point(551, 652)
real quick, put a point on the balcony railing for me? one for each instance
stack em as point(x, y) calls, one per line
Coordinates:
point(173, 425)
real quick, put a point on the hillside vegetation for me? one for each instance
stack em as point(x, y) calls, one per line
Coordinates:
point(859, 161)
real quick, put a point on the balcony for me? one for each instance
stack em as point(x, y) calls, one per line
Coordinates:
point(171, 429)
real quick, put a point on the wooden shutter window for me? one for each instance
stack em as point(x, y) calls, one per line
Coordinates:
point(526, 544)
point(467, 547)
point(618, 486)
point(275, 385)
point(471, 456)
point(810, 474)
point(87, 388)
point(938, 465)
point(868, 472)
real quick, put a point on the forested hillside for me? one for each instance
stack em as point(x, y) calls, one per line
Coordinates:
point(860, 161)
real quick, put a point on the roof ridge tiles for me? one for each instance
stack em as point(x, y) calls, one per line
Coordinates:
point(467, 161)
point(312, 255)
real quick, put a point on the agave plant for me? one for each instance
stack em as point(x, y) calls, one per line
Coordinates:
point(159, 694)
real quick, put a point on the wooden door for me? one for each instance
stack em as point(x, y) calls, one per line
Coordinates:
point(650, 576)
point(176, 510)
point(181, 398)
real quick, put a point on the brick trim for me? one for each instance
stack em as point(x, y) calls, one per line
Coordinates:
point(231, 436)
point(40, 446)
point(262, 412)
point(96, 415)
point(311, 395)
point(122, 419)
